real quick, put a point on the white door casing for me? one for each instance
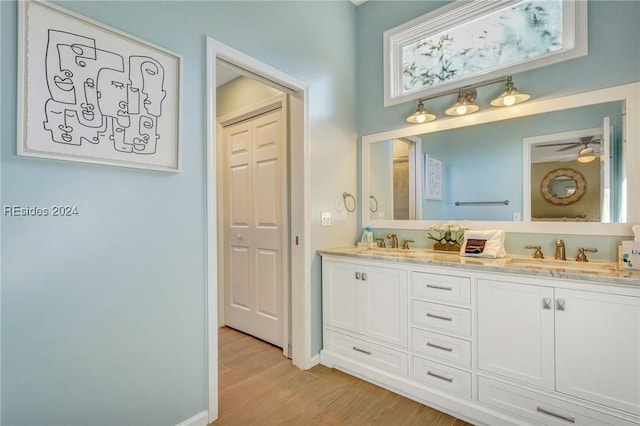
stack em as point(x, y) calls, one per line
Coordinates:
point(605, 172)
point(299, 292)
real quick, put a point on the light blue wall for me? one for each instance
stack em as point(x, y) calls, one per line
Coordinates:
point(613, 59)
point(103, 314)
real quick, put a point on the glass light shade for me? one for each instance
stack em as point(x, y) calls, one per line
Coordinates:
point(586, 155)
point(421, 115)
point(510, 96)
point(462, 106)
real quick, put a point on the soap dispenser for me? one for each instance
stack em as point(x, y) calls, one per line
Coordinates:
point(367, 236)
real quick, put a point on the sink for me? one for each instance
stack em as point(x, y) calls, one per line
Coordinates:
point(388, 250)
point(396, 252)
point(377, 250)
point(564, 265)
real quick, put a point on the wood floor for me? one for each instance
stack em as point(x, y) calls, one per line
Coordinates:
point(258, 386)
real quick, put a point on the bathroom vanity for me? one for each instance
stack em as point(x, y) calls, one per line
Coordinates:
point(491, 341)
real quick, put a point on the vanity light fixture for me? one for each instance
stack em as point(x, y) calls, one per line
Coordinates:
point(510, 96)
point(586, 155)
point(421, 115)
point(465, 104)
point(465, 101)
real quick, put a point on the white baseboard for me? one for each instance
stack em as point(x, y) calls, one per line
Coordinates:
point(200, 419)
point(313, 361)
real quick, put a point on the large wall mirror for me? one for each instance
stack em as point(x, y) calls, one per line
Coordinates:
point(494, 161)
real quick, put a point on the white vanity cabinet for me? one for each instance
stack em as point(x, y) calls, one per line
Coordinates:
point(487, 346)
point(515, 331)
point(585, 344)
point(441, 331)
point(597, 340)
point(365, 314)
point(365, 299)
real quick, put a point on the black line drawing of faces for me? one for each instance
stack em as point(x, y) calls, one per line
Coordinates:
point(147, 79)
point(96, 98)
point(72, 66)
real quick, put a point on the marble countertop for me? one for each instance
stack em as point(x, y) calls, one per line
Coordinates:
point(594, 271)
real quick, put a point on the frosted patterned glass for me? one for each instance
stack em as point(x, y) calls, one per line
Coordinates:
point(520, 32)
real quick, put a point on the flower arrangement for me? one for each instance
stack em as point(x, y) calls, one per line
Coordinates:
point(450, 236)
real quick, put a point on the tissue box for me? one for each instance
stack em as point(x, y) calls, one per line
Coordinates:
point(631, 254)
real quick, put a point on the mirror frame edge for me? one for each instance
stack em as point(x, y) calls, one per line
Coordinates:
point(629, 93)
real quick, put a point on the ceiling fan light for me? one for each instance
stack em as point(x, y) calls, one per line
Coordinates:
point(586, 155)
point(421, 115)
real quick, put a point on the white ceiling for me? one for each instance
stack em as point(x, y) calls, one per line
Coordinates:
point(224, 74)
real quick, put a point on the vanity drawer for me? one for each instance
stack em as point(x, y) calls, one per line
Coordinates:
point(443, 347)
point(540, 408)
point(442, 317)
point(376, 356)
point(443, 288)
point(449, 379)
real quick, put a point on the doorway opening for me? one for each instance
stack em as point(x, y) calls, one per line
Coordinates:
point(297, 288)
point(253, 207)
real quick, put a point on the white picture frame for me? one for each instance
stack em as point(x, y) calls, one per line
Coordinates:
point(433, 177)
point(91, 93)
point(465, 18)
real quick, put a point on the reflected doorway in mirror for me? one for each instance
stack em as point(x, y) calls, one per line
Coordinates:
point(433, 175)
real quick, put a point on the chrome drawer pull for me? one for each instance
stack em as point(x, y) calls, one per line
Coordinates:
point(357, 275)
point(364, 276)
point(439, 288)
point(560, 304)
point(546, 303)
point(559, 416)
point(439, 347)
point(355, 348)
point(439, 317)
point(437, 376)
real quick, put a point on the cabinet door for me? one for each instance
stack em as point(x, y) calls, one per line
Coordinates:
point(385, 305)
point(598, 348)
point(341, 292)
point(515, 331)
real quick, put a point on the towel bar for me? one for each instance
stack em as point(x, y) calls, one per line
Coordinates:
point(479, 203)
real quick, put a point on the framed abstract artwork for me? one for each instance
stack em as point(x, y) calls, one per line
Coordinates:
point(467, 42)
point(433, 175)
point(91, 93)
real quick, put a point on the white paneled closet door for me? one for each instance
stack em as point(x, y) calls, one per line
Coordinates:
point(254, 226)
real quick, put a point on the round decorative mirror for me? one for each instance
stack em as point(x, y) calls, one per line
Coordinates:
point(563, 186)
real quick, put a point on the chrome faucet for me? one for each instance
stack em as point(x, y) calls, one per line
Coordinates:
point(394, 240)
point(560, 250)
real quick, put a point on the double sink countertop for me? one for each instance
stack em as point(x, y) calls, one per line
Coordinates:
point(594, 271)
